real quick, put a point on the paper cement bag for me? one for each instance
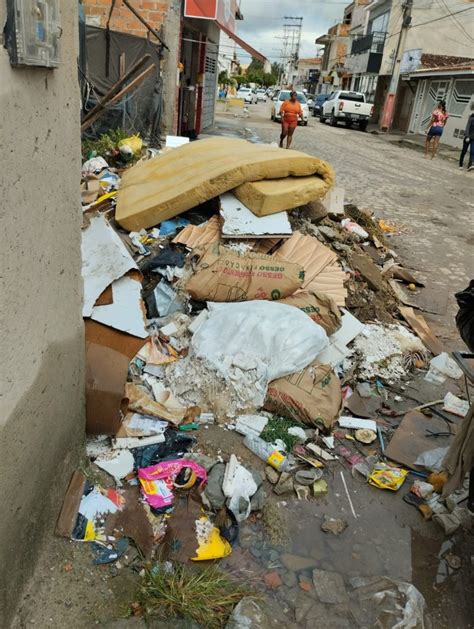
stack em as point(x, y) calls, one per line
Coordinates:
point(319, 307)
point(312, 396)
point(224, 275)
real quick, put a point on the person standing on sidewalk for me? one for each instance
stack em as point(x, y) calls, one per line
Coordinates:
point(290, 111)
point(468, 142)
point(438, 121)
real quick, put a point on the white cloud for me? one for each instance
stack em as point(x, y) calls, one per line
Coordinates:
point(264, 19)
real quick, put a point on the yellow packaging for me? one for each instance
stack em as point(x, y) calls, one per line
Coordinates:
point(276, 459)
point(385, 477)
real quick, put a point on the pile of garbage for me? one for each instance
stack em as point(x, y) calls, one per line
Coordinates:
point(206, 303)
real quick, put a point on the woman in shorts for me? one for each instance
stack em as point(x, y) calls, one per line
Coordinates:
point(291, 111)
point(435, 130)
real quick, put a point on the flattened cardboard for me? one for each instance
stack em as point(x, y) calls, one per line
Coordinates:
point(72, 499)
point(411, 439)
point(131, 521)
point(199, 235)
point(108, 354)
point(322, 272)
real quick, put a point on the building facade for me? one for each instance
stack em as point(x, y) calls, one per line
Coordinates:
point(335, 43)
point(419, 41)
point(308, 71)
point(190, 32)
point(442, 78)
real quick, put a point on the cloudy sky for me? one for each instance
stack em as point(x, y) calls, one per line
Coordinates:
point(263, 23)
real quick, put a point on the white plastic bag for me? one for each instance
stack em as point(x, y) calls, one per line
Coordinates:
point(441, 367)
point(276, 338)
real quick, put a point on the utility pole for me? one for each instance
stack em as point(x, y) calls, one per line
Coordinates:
point(292, 41)
point(391, 99)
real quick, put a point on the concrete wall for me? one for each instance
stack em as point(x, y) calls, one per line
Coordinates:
point(42, 347)
point(440, 37)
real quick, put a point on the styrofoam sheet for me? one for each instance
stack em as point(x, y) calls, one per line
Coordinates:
point(104, 259)
point(240, 222)
point(337, 350)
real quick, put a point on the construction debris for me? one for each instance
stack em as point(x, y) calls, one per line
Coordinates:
point(236, 324)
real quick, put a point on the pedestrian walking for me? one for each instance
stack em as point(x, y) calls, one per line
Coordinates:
point(291, 111)
point(468, 142)
point(435, 129)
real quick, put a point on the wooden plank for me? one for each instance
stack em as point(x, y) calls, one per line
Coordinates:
point(72, 499)
point(419, 325)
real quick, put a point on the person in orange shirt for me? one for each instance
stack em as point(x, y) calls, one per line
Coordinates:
point(290, 112)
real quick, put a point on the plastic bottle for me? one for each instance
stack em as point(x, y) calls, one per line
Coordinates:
point(266, 452)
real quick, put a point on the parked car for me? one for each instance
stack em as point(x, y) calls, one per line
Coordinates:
point(318, 103)
point(310, 100)
point(261, 95)
point(284, 95)
point(348, 107)
point(248, 95)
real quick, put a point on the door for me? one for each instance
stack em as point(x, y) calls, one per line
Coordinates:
point(209, 91)
point(437, 91)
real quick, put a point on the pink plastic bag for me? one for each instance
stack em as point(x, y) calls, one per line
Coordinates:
point(157, 481)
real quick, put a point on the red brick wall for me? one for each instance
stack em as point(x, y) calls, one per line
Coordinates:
point(123, 20)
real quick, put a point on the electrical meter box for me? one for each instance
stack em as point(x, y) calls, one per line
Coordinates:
point(33, 30)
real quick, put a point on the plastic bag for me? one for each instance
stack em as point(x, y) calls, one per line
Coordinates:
point(387, 477)
point(279, 339)
point(441, 367)
point(354, 228)
point(465, 316)
point(432, 459)
point(134, 142)
point(158, 481)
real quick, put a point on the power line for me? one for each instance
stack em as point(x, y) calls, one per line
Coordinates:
point(455, 19)
point(436, 19)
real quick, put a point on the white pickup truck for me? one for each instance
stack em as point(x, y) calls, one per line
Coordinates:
point(348, 107)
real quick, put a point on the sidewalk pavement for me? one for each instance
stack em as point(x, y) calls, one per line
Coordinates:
point(415, 141)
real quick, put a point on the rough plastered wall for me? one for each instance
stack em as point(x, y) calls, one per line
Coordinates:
point(41, 339)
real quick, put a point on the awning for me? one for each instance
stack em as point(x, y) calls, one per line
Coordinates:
point(243, 44)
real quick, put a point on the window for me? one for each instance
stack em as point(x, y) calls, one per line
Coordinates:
point(380, 23)
point(352, 96)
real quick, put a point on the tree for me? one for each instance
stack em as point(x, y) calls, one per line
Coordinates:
point(223, 78)
point(255, 72)
point(240, 79)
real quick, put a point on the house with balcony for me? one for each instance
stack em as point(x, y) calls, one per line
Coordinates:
point(368, 35)
point(333, 75)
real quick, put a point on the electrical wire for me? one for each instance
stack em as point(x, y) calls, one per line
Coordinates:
point(436, 19)
point(455, 19)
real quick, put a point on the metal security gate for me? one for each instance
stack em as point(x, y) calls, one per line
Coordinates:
point(437, 91)
point(209, 92)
